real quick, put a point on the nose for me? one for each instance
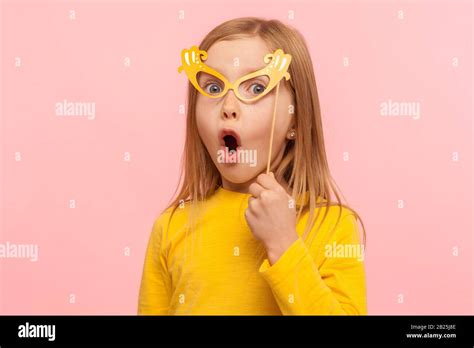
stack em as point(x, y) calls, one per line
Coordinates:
point(230, 107)
point(229, 114)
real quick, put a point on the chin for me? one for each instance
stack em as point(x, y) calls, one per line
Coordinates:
point(238, 174)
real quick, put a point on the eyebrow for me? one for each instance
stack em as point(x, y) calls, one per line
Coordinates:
point(246, 71)
point(251, 70)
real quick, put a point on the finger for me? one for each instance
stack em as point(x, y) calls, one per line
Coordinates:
point(255, 189)
point(248, 214)
point(253, 205)
point(268, 182)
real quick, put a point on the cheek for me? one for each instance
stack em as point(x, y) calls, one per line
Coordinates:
point(257, 120)
point(204, 120)
point(284, 117)
point(259, 114)
point(261, 117)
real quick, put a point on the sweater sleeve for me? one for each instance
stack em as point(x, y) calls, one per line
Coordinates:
point(155, 289)
point(335, 287)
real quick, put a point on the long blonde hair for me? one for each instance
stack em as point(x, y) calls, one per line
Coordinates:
point(304, 166)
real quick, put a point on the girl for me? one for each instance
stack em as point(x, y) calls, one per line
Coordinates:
point(237, 239)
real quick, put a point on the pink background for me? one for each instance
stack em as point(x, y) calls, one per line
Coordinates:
point(407, 57)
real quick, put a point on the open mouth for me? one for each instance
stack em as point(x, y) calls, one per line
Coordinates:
point(230, 139)
point(231, 142)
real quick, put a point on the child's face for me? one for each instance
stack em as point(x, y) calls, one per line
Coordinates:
point(250, 122)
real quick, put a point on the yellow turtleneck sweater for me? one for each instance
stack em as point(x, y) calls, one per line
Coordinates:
point(221, 269)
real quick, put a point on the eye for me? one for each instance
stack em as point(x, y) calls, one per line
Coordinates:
point(257, 88)
point(213, 88)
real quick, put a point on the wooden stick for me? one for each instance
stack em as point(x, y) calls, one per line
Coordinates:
point(273, 128)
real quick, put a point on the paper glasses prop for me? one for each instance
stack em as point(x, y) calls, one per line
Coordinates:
point(203, 78)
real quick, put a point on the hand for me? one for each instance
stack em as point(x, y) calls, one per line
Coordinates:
point(271, 216)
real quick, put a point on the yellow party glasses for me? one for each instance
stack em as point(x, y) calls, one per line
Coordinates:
point(248, 88)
